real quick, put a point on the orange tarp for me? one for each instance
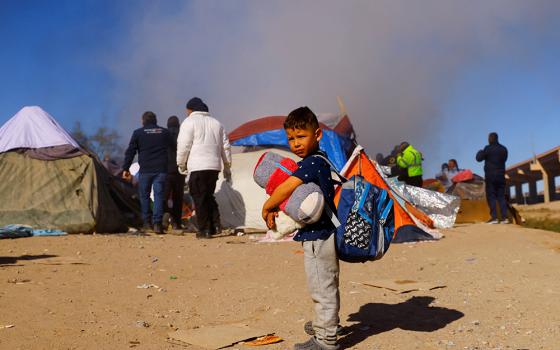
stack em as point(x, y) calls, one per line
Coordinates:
point(362, 165)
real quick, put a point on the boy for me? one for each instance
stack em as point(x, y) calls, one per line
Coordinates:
point(320, 260)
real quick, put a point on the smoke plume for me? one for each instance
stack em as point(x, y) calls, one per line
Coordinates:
point(393, 62)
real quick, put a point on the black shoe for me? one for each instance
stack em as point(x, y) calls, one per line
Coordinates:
point(158, 228)
point(203, 235)
point(217, 230)
point(147, 227)
point(166, 219)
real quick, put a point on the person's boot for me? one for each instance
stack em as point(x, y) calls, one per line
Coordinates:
point(204, 234)
point(146, 227)
point(158, 228)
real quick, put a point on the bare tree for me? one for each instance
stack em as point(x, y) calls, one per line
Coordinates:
point(105, 142)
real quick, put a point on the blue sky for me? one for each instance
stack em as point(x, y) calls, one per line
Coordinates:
point(440, 75)
point(50, 56)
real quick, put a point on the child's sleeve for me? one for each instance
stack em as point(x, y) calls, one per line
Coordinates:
point(307, 170)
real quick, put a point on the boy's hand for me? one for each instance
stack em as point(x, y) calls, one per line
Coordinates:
point(268, 217)
point(270, 220)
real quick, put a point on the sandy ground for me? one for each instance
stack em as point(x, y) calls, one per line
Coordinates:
point(80, 292)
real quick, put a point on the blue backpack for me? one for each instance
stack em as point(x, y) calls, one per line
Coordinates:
point(365, 220)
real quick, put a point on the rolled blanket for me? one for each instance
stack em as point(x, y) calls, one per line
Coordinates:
point(306, 203)
point(272, 169)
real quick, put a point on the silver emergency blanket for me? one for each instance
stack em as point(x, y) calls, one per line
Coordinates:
point(386, 170)
point(442, 208)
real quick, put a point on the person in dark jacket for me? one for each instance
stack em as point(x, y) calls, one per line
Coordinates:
point(495, 156)
point(151, 142)
point(175, 182)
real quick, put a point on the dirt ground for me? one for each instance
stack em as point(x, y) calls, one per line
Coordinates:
point(80, 292)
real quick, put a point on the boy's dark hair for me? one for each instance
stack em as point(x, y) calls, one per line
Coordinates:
point(301, 118)
point(149, 118)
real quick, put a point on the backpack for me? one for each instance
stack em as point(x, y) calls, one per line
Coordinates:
point(368, 221)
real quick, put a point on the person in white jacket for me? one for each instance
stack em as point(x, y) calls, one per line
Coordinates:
point(202, 148)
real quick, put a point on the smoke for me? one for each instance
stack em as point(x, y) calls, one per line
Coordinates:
point(393, 62)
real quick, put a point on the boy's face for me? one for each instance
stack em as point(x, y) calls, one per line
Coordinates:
point(304, 142)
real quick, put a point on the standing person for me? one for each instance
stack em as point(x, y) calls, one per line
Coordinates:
point(320, 259)
point(411, 160)
point(495, 156)
point(175, 181)
point(150, 142)
point(202, 147)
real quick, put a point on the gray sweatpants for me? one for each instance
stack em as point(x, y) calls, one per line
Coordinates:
point(321, 268)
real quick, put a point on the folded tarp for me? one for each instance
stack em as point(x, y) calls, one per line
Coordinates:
point(20, 231)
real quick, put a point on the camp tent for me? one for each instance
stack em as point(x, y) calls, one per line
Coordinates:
point(413, 222)
point(337, 142)
point(240, 202)
point(47, 180)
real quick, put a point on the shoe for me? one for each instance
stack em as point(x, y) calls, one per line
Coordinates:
point(505, 221)
point(203, 235)
point(176, 226)
point(147, 227)
point(158, 228)
point(166, 219)
point(314, 344)
point(492, 221)
point(308, 328)
point(217, 230)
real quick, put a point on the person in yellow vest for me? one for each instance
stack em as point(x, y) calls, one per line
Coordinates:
point(411, 160)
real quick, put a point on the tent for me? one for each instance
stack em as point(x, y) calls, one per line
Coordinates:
point(240, 203)
point(418, 212)
point(337, 142)
point(48, 181)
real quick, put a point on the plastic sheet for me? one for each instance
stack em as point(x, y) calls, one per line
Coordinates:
point(442, 208)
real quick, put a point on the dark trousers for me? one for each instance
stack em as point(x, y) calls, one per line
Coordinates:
point(495, 192)
point(145, 183)
point(414, 181)
point(202, 185)
point(174, 188)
